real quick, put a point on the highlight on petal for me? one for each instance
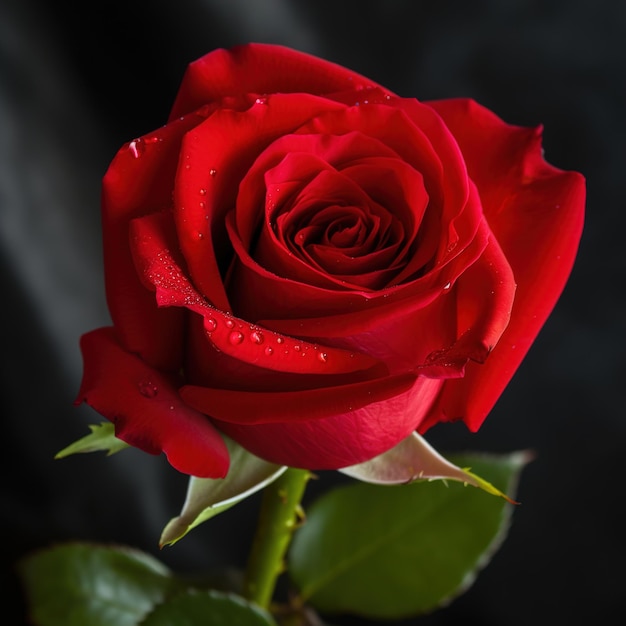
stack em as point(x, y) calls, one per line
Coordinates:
point(207, 497)
point(146, 408)
point(414, 459)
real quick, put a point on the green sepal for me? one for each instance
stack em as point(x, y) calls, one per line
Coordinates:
point(414, 459)
point(102, 437)
point(207, 497)
point(396, 551)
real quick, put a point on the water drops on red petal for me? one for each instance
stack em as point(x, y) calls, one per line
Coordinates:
point(256, 336)
point(235, 338)
point(210, 324)
point(147, 388)
point(212, 172)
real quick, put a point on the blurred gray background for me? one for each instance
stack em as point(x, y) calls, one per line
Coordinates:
point(78, 80)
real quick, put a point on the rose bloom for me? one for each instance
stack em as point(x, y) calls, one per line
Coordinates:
point(315, 267)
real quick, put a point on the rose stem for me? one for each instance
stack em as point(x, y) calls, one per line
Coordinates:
point(278, 519)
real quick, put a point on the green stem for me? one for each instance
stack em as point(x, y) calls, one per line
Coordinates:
point(277, 521)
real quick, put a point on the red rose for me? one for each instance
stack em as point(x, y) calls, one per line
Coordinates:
point(316, 267)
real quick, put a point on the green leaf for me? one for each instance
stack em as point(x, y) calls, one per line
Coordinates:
point(206, 497)
point(91, 585)
point(208, 608)
point(389, 552)
point(414, 459)
point(102, 437)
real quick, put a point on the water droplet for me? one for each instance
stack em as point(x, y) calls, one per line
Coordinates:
point(297, 348)
point(279, 340)
point(447, 286)
point(203, 192)
point(256, 336)
point(210, 325)
point(212, 172)
point(199, 235)
point(235, 338)
point(187, 167)
point(262, 100)
point(323, 357)
point(269, 351)
point(229, 323)
point(148, 389)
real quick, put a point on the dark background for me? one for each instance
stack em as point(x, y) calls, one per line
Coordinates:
point(78, 80)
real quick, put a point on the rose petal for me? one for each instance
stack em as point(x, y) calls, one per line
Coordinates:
point(536, 214)
point(398, 131)
point(214, 158)
point(146, 409)
point(138, 181)
point(261, 69)
point(484, 299)
point(348, 436)
point(154, 246)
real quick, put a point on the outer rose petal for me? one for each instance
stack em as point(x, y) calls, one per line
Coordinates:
point(146, 409)
point(260, 68)
point(343, 439)
point(138, 181)
point(536, 213)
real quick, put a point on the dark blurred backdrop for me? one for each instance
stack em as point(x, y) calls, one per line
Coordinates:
point(78, 80)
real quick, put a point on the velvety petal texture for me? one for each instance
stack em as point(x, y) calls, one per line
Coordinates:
point(317, 267)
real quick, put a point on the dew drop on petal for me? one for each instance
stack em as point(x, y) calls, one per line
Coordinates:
point(269, 351)
point(148, 389)
point(322, 356)
point(229, 323)
point(256, 336)
point(447, 286)
point(235, 338)
point(210, 324)
point(261, 101)
point(279, 340)
point(203, 192)
point(212, 172)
